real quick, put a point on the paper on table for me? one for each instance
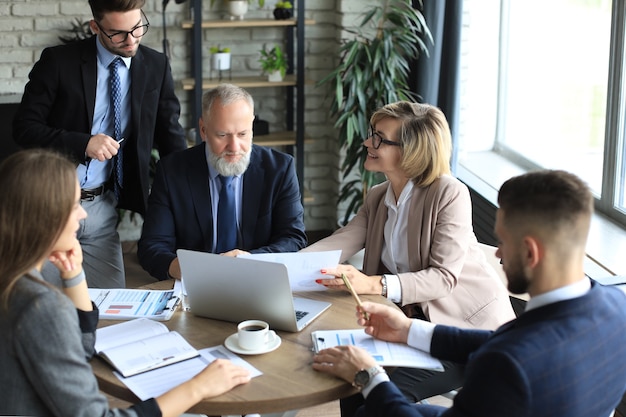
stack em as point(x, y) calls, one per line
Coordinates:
point(124, 304)
point(140, 345)
point(159, 381)
point(303, 267)
point(181, 291)
point(127, 332)
point(385, 353)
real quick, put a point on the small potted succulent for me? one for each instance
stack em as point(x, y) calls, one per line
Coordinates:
point(283, 10)
point(220, 58)
point(273, 63)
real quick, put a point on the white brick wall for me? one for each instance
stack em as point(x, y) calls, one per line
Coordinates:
point(28, 27)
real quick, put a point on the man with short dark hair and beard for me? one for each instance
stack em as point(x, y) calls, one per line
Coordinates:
point(105, 102)
point(564, 356)
point(184, 204)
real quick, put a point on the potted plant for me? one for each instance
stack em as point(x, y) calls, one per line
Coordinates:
point(261, 2)
point(273, 63)
point(220, 58)
point(372, 72)
point(238, 8)
point(283, 10)
point(79, 31)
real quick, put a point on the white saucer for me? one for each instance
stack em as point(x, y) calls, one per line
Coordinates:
point(232, 344)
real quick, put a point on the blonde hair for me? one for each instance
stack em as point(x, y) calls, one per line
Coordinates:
point(425, 137)
point(38, 188)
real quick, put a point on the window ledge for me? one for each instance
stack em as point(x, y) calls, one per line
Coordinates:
point(486, 171)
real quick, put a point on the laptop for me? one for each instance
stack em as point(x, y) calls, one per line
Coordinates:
point(237, 289)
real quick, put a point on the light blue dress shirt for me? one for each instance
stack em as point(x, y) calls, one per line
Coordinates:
point(93, 173)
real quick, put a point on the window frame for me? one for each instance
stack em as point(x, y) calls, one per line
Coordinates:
point(614, 157)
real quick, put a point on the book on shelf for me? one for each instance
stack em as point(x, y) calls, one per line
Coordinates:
point(141, 345)
point(125, 304)
point(385, 353)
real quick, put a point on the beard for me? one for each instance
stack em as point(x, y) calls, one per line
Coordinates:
point(518, 280)
point(229, 169)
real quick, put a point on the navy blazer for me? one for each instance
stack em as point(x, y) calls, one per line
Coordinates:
point(563, 359)
point(180, 214)
point(58, 105)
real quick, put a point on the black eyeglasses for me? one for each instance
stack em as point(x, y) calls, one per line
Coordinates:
point(377, 139)
point(120, 37)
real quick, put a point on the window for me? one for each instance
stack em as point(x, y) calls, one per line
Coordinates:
point(544, 87)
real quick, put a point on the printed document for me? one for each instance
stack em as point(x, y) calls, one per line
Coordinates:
point(159, 381)
point(140, 345)
point(303, 267)
point(385, 353)
point(123, 304)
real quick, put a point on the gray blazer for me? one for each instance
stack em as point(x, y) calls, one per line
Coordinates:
point(44, 349)
point(451, 280)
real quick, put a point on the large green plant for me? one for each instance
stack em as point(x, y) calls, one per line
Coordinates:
point(373, 71)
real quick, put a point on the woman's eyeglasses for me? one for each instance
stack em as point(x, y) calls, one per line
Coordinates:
point(377, 139)
point(121, 36)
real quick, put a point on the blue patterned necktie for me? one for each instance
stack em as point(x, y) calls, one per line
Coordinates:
point(226, 217)
point(116, 105)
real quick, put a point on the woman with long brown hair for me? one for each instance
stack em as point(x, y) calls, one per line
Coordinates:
point(48, 334)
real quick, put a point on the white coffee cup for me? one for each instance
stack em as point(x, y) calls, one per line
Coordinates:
point(254, 334)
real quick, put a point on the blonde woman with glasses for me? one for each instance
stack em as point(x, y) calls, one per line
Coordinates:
point(420, 247)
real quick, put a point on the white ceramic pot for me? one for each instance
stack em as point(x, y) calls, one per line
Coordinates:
point(220, 61)
point(275, 76)
point(237, 9)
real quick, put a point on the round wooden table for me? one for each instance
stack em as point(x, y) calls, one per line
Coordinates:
point(288, 381)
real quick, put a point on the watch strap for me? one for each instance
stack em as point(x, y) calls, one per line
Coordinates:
point(370, 372)
point(383, 282)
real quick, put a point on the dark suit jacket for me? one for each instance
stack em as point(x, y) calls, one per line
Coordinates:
point(563, 359)
point(58, 105)
point(180, 216)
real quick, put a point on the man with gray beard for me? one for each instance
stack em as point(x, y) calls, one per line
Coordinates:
point(223, 196)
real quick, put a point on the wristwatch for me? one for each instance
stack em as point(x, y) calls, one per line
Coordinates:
point(364, 376)
point(383, 282)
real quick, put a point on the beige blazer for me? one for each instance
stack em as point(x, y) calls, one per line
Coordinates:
point(452, 281)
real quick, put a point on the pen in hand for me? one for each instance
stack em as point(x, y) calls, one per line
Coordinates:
point(346, 281)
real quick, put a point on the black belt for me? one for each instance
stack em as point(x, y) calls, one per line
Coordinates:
point(89, 195)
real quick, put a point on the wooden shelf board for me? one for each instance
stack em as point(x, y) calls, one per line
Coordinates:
point(250, 23)
point(244, 82)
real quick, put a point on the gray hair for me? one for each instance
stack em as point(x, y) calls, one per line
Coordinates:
point(228, 94)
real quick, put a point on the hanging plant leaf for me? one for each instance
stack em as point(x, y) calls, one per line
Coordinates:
point(372, 72)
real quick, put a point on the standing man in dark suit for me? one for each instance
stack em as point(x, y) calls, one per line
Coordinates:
point(106, 102)
point(564, 356)
point(225, 195)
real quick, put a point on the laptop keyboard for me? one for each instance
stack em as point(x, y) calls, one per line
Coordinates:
point(300, 314)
